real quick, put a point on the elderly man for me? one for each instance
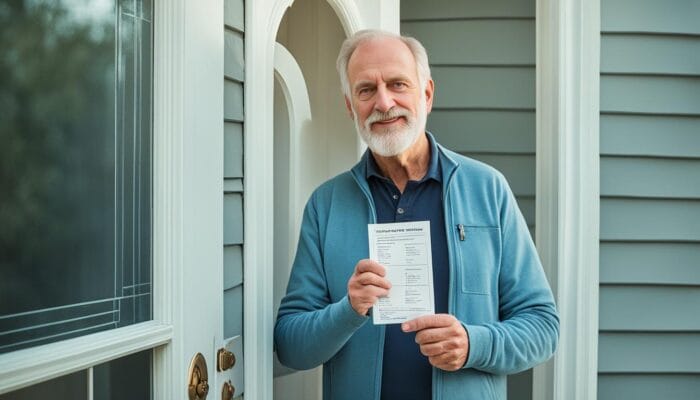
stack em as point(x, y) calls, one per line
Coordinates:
point(495, 313)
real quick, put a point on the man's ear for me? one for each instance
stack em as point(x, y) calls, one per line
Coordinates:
point(429, 92)
point(348, 106)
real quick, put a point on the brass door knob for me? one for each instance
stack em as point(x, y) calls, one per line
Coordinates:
point(202, 389)
point(227, 391)
point(224, 360)
point(198, 386)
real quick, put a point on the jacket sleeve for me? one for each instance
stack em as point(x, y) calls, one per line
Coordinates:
point(528, 328)
point(309, 328)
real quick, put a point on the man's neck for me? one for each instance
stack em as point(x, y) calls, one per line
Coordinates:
point(412, 164)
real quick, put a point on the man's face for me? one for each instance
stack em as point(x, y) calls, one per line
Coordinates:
point(386, 101)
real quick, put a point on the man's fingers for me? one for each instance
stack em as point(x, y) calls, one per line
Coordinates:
point(443, 346)
point(368, 265)
point(428, 321)
point(432, 349)
point(447, 361)
point(434, 335)
point(369, 278)
point(366, 285)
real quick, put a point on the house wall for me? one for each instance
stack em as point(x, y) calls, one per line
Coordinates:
point(234, 30)
point(649, 342)
point(482, 58)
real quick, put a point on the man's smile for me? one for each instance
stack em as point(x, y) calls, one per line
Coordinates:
point(388, 121)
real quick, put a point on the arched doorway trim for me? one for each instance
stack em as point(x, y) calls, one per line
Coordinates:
point(262, 19)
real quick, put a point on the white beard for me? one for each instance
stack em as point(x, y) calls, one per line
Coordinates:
point(393, 141)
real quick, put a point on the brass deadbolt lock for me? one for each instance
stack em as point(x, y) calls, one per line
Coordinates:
point(198, 387)
point(224, 360)
point(227, 391)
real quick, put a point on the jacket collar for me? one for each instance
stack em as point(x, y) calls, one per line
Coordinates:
point(447, 165)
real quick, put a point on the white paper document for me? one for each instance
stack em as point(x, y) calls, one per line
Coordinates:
point(403, 248)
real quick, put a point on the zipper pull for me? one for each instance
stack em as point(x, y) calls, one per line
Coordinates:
point(461, 232)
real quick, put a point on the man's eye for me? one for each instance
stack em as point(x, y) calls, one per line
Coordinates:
point(364, 91)
point(399, 85)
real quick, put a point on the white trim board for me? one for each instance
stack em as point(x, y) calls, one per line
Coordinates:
point(188, 186)
point(168, 133)
point(292, 84)
point(568, 200)
point(26, 367)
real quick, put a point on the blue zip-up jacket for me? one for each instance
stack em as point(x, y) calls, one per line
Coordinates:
point(498, 289)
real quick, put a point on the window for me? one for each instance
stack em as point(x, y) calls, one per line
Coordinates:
point(75, 168)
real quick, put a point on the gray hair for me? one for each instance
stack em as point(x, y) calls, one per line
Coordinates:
point(351, 43)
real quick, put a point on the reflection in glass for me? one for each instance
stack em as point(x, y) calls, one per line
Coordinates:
point(73, 387)
point(75, 168)
point(109, 378)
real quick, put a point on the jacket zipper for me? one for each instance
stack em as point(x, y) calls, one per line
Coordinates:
point(382, 328)
point(437, 383)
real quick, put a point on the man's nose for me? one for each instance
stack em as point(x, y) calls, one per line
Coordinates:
point(384, 100)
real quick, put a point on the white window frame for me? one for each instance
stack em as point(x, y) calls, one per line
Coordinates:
point(33, 365)
point(568, 189)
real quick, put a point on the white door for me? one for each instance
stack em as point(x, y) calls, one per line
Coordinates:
point(111, 252)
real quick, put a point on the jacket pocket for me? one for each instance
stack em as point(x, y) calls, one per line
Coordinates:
point(479, 251)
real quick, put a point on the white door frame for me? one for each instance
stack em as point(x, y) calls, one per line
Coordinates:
point(188, 188)
point(568, 194)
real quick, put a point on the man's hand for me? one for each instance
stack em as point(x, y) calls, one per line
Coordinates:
point(442, 338)
point(367, 285)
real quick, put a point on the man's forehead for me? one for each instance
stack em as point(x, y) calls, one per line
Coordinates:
point(382, 53)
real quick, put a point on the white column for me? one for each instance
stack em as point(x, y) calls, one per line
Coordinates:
point(568, 194)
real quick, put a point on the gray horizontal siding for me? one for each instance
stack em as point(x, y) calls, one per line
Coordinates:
point(489, 131)
point(635, 54)
point(449, 9)
point(233, 218)
point(233, 15)
point(233, 311)
point(233, 150)
point(484, 87)
point(233, 101)
point(650, 177)
point(233, 174)
point(649, 386)
point(650, 135)
point(482, 56)
point(233, 185)
point(461, 42)
point(643, 352)
point(646, 308)
point(651, 16)
point(649, 344)
point(650, 94)
point(233, 266)
point(650, 263)
point(234, 65)
point(649, 220)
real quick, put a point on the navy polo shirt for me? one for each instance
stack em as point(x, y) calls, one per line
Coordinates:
point(406, 373)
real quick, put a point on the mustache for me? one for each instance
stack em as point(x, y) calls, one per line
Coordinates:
point(395, 112)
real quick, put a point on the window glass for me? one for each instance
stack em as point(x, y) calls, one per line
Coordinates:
point(75, 168)
point(73, 386)
point(109, 378)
